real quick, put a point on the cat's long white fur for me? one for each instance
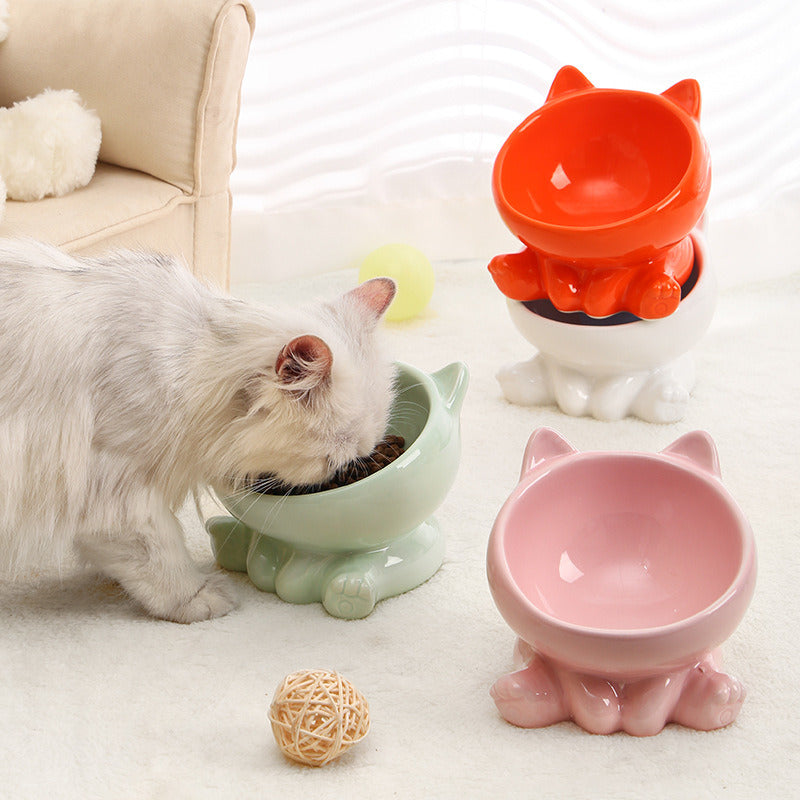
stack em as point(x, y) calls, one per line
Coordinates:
point(125, 384)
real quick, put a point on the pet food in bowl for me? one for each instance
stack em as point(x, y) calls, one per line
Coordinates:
point(621, 573)
point(386, 451)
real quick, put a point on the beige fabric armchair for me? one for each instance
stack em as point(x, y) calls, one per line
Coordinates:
point(165, 77)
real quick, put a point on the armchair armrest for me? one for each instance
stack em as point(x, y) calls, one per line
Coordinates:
point(164, 76)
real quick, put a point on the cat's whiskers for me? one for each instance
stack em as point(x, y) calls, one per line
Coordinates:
point(274, 511)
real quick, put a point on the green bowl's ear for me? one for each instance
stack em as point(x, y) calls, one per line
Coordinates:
point(452, 382)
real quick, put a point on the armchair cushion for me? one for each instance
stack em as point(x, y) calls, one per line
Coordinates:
point(116, 200)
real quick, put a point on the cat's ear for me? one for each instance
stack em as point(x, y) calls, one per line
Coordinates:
point(304, 363)
point(374, 296)
point(568, 79)
point(686, 95)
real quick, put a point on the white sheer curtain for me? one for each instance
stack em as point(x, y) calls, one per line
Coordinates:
point(367, 121)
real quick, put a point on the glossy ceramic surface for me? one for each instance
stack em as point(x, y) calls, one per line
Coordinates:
point(621, 573)
point(603, 187)
point(637, 367)
point(350, 547)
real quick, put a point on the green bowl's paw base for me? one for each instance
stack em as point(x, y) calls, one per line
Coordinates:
point(348, 585)
point(350, 595)
point(230, 542)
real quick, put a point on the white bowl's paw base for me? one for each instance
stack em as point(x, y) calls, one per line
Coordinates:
point(527, 383)
point(543, 693)
point(348, 585)
point(659, 395)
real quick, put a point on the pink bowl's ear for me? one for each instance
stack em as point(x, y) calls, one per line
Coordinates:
point(568, 79)
point(699, 448)
point(543, 445)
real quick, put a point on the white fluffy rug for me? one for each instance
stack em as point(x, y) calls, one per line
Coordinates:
point(99, 701)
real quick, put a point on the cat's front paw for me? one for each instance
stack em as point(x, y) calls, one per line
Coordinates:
point(214, 598)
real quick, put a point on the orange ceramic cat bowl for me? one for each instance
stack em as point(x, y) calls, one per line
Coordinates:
point(603, 186)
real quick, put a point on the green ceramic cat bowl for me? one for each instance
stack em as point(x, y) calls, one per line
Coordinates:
point(352, 546)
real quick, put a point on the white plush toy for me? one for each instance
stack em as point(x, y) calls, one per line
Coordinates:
point(48, 143)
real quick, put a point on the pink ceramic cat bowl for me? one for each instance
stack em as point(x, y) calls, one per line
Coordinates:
point(621, 573)
point(603, 187)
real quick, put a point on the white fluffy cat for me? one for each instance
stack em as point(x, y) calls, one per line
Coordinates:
point(125, 385)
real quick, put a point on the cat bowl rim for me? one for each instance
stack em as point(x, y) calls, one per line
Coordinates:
point(697, 170)
point(314, 498)
point(371, 513)
point(506, 591)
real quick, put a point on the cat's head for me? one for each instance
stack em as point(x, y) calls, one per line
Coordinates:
point(324, 397)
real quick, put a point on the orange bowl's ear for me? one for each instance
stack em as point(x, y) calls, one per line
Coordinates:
point(685, 95)
point(568, 79)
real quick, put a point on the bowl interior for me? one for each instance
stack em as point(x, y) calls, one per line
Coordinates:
point(622, 542)
point(411, 407)
point(595, 159)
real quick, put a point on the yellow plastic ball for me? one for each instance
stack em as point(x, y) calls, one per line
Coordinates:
point(411, 270)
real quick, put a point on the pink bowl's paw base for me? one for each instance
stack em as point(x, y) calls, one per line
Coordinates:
point(649, 703)
point(594, 702)
point(524, 654)
point(530, 697)
point(544, 693)
point(710, 699)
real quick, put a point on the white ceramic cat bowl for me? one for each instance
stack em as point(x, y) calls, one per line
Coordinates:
point(621, 573)
point(351, 546)
point(614, 367)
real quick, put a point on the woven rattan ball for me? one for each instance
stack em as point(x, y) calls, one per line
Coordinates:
point(316, 715)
